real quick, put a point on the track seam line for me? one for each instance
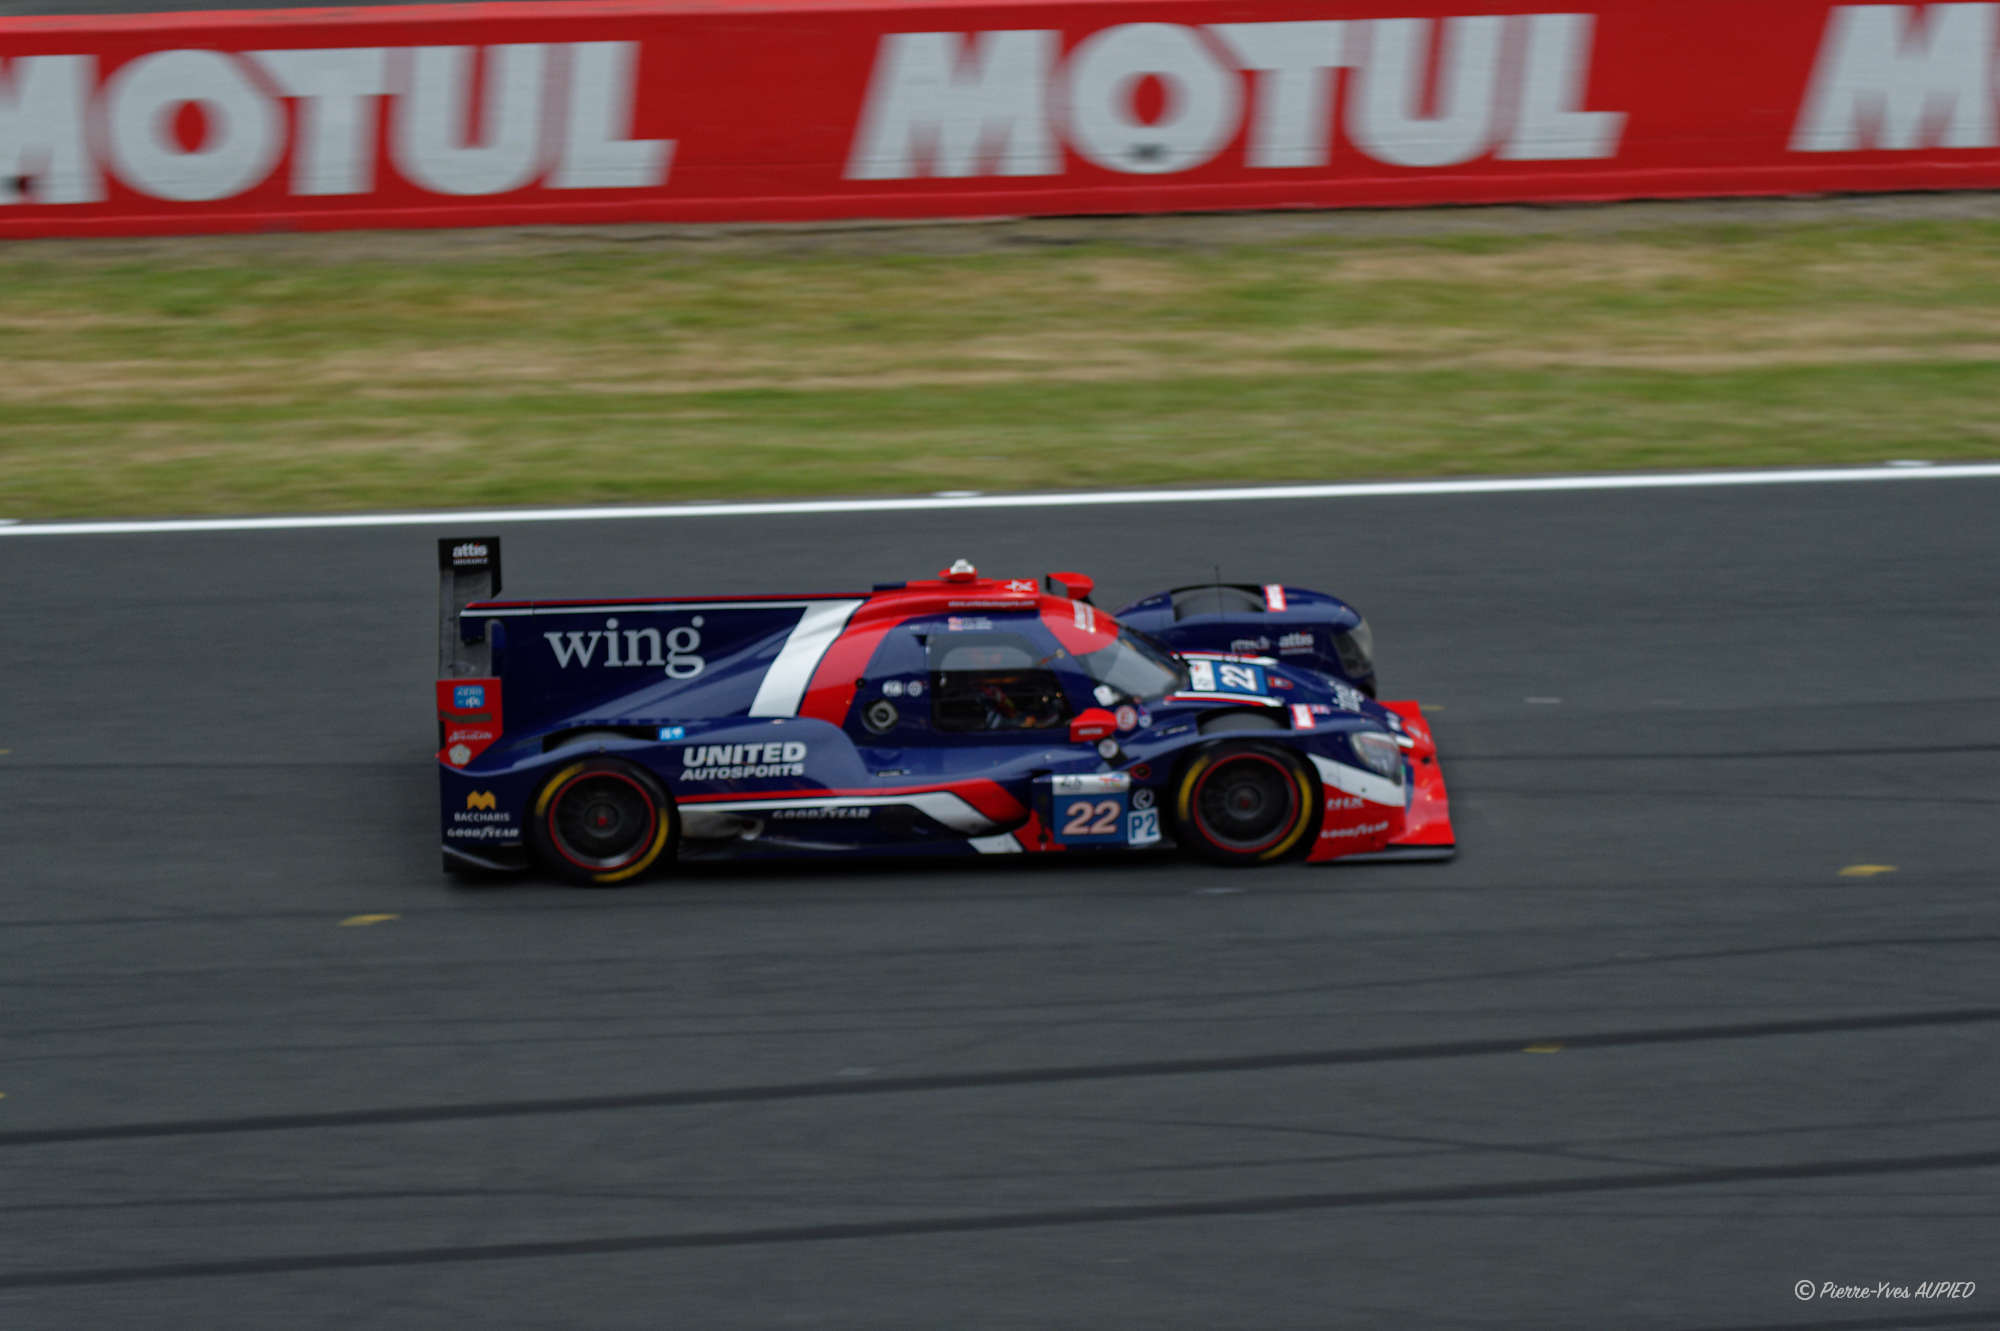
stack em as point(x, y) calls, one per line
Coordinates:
point(1045, 1076)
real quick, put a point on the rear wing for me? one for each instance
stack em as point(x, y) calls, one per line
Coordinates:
point(643, 664)
point(468, 571)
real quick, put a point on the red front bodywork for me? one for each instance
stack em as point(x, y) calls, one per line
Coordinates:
point(1422, 829)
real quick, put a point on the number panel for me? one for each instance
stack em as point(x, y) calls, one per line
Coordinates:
point(1091, 820)
point(1239, 677)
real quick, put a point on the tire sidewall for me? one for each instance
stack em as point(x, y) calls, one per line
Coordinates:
point(1295, 844)
point(664, 839)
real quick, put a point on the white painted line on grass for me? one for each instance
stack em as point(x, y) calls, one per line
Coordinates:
point(930, 503)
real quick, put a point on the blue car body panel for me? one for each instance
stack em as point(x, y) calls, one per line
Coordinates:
point(930, 717)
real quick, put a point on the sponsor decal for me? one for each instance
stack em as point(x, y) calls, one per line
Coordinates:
point(468, 733)
point(1249, 644)
point(742, 762)
point(1127, 716)
point(1303, 718)
point(892, 688)
point(1090, 783)
point(966, 623)
point(1359, 830)
point(485, 833)
point(1274, 596)
point(1086, 615)
point(1347, 696)
point(916, 689)
point(1292, 644)
point(675, 651)
point(1105, 695)
point(1142, 798)
point(1142, 827)
point(1201, 676)
point(1025, 585)
point(826, 811)
point(1901, 78)
point(557, 115)
point(1335, 803)
point(673, 732)
point(827, 111)
point(1280, 682)
point(480, 799)
point(470, 554)
point(1007, 103)
point(986, 604)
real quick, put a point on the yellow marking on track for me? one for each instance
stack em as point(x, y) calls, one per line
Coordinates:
point(1542, 1049)
point(367, 919)
point(1866, 870)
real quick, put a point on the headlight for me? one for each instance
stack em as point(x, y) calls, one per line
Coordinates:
point(1378, 753)
point(1357, 650)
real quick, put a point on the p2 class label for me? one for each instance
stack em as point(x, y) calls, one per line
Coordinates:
point(1098, 819)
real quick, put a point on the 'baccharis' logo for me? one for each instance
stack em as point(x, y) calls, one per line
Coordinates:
point(482, 819)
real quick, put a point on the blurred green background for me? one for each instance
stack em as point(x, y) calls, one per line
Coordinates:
point(303, 374)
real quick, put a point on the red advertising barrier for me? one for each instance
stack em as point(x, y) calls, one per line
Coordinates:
point(713, 110)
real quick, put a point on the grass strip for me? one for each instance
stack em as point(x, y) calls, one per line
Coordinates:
point(395, 374)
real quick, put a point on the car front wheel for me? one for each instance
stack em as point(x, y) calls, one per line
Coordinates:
point(1243, 804)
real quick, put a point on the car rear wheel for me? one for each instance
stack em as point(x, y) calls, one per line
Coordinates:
point(602, 822)
point(1243, 804)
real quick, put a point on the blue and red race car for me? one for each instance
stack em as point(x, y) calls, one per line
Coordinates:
point(956, 715)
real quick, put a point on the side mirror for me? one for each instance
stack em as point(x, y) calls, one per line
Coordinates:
point(1092, 725)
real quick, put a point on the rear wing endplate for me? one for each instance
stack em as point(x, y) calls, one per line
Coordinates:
point(468, 571)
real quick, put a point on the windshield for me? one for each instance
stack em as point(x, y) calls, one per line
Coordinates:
point(1135, 666)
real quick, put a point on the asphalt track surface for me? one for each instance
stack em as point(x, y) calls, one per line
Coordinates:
point(1140, 1094)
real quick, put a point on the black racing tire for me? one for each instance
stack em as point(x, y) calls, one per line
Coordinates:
point(1242, 804)
point(603, 822)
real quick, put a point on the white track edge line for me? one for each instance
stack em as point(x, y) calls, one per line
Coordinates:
point(931, 503)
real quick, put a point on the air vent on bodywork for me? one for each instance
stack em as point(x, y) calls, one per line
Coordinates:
point(556, 739)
